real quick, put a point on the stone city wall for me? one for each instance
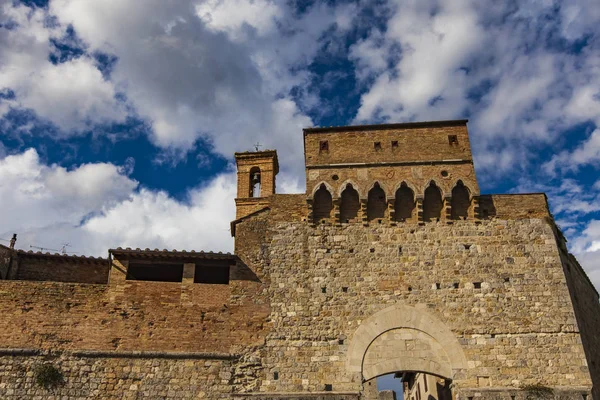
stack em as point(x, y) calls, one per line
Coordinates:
point(498, 285)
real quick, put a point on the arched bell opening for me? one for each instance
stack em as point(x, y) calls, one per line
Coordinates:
point(255, 182)
point(322, 205)
point(460, 201)
point(432, 203)
point(376, 203)
point(350, 204)
point(404, 204)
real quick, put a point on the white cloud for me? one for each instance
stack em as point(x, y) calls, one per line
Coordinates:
point(72, 95)
point(587, 249)
point(587, 153)
point(427, 82)
point(37, 195)
point(96, 206)
point(234, 16)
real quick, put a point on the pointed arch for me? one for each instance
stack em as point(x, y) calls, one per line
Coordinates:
point(376, 203)
point(347, 183)
point(322, 204)
point(461, 201)
point(432, 203)
point(404, 204)
point(436, 349)
point(350, 204)
point(328, 187)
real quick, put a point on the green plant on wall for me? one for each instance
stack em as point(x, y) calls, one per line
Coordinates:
point(48, 376)
point(538, 392)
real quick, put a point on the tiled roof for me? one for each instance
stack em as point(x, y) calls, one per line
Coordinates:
point(74, 257)
point(165, 253)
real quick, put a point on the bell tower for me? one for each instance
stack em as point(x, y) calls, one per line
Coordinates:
point(256, 173)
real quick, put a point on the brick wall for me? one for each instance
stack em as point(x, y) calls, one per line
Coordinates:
point(32, 267)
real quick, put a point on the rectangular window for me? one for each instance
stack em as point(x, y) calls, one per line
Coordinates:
point(452, 139)
point(155, 272)
point(323, 145)
point(211, 274)
point(377, 145)
point(394, 144)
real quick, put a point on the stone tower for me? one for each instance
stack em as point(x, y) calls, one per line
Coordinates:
point(256, 173)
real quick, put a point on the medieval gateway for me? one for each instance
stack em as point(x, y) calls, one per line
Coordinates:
point(392, 262)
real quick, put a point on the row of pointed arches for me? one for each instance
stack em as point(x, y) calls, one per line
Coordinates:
point(404, 206)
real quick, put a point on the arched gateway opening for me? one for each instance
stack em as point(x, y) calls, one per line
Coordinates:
point(410, 343)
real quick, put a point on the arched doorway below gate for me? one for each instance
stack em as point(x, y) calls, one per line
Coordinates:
point(407, 385)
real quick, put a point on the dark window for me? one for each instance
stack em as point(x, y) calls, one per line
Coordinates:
point(376, 203)
point(377, 145)
point(322, 205)
point(432, 204)
point(275, 376)
point(350, 204)
point(394, 144)
point(211, 274)
point(477, 285)
point(460, 202)
point(323, 145)
point(452, 139)
point(404, 203)
point(328, 387)
point(155, 272)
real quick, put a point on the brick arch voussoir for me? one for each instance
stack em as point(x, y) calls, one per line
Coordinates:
point(355, 186)
point(327, 186)
point(465, 186)
point(409, 185)
point(403, 316)
point(383, 187)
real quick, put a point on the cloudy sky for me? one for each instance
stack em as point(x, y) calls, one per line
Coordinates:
point(118, 120)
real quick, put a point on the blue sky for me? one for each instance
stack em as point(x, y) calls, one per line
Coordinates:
point(118, 121)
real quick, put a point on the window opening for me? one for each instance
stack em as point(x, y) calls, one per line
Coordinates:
point(323, 145)
point(350, 204)
point(377, 146)
point(404, 203)
point(376, 203)
point(322, 205)
point(460, 202)
point(432, 204)
point(453, 139)
point(255, 182)
point(394, 144)
point(211, 274)
point(155, 272)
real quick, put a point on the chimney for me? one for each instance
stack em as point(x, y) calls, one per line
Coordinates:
point(13, 241)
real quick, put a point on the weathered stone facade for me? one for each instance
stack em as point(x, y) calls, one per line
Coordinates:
point(476, 289)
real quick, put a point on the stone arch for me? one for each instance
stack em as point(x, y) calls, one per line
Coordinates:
point(350, 204)
point(255, 182)
point(322, 204)
point(461, 201)
point(350, 182)
point(376, 202)
point(404, 203)
point(404, 338)
point(432, 203)
point(318, 186)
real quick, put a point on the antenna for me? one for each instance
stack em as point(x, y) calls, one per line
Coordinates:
point(63, 249)
point(257, 145)
point(43, 248)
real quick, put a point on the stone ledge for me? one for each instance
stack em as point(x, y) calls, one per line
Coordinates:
point(120, 354)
